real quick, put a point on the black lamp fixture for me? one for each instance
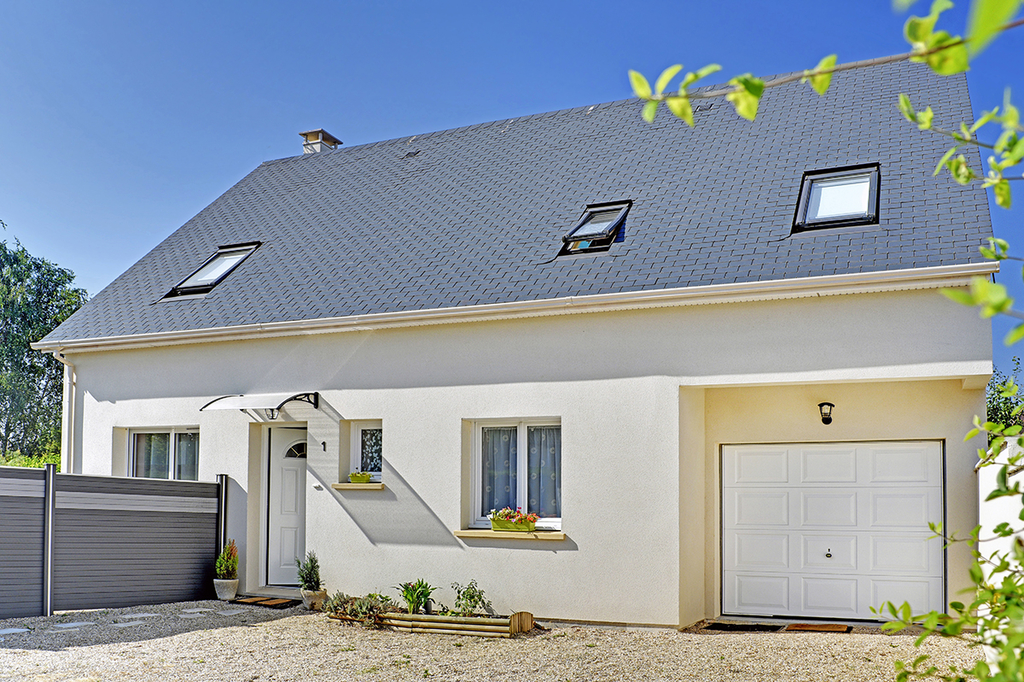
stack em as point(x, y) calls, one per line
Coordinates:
point(826, 412)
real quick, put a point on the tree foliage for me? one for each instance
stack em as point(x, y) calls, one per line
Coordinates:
point(1002, 406)
point(35, 297)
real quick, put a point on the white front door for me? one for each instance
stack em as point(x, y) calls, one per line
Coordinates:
point(831, 529)
point(286, 504)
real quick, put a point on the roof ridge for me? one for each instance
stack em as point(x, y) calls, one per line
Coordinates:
point(526, 117)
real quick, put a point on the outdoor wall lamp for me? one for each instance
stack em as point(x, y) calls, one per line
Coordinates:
point(271, 413)
point(826, 412)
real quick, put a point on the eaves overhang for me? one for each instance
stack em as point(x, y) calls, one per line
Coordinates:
point(803, 287)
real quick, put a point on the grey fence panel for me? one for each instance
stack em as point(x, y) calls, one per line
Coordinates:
point(127, 542)
point(21, 542)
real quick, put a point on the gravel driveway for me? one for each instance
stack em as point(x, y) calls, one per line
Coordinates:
point(195, 641)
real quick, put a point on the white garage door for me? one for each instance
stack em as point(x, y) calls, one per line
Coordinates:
point(830, 529)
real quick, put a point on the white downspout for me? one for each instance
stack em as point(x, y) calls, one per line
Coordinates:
point(67, 444)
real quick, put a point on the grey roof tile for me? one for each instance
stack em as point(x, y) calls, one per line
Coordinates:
point(476, 215)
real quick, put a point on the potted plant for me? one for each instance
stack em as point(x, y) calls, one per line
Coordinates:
point(225, 572)
point(311, 586)
point(360, 477)
point(513, 519)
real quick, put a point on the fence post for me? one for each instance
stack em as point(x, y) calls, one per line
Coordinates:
point(222, 511)
point(49, 507)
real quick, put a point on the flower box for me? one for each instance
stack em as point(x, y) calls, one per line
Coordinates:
point(523, 526)
point(513, 519)
point(360, 477)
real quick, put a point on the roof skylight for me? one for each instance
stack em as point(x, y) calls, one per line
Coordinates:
point(215, 269)
point(597, 229)
point(837, 198)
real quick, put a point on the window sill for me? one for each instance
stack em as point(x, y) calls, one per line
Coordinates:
point(358, 486)
point(510, 534)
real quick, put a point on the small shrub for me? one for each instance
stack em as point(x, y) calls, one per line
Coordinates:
point(416, 595)
point(367, 610)
point(226, 567)
point(309, 572)
point(470, 599)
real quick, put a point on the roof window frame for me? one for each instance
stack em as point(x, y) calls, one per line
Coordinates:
point(180, 289)
point(869, 217)
point(604, 240)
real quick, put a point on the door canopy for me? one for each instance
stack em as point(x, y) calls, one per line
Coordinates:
point(261, 401)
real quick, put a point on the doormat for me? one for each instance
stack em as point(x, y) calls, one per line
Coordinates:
point(743, 627)
point(269, 602)
point(817, 627)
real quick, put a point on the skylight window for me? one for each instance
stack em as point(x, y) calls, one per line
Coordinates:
point(213, 271)
point(838, 198)
point(599, 227)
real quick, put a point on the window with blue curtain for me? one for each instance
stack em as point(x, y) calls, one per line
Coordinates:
point(500, 468)
point(544, 468)
point(531, 482)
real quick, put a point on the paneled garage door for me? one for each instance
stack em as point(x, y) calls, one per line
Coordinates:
point(830, 529)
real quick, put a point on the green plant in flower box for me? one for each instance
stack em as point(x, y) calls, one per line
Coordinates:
point(360, 477)
point(513, 519)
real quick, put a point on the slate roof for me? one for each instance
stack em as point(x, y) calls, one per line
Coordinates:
point(475, 215)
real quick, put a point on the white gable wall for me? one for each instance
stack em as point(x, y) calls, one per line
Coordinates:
point(642, 410)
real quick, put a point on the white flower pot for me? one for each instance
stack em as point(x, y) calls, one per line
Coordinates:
point(313, 599)
point(226, 589)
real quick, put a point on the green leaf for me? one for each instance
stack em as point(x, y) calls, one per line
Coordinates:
point(1015, 151)
point(986, 20)
point(746, 95)
point(985, 118)
point(692, 77)
point(907, 108)
point(977, 577)
point(1002, 191)
point(821, 81)
point(680, 106)
point(666, 77)
point(960, 170)
point(1015, 335)
point(902, 5)
point(918, 30)
point(958, 296)
point(641, 88)
point(952, 59)
point(924, 119)
point(945, 157)
point(650, 110)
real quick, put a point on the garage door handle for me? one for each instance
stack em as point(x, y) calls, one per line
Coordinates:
point(828, 554)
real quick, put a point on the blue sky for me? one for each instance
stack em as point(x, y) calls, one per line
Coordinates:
point(119, 121)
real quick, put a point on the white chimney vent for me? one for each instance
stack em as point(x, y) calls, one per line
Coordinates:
point(318, 140)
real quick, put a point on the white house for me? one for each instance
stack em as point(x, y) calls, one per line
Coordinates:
point(634, 330)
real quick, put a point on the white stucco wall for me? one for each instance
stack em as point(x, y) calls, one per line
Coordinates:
point(642, 411)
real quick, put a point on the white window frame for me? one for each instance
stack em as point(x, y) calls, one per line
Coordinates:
point(523, 480)
point(173, 463)
point(356, 447)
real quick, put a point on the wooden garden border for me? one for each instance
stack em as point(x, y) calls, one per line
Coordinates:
point(521, 621)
